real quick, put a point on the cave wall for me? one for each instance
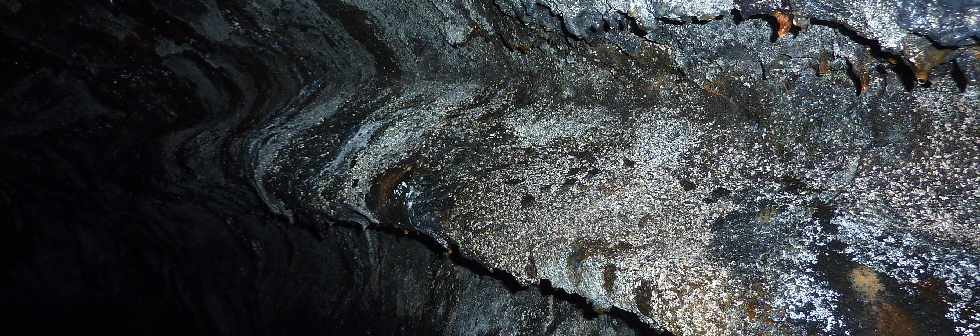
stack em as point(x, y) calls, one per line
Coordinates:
point(492, 167)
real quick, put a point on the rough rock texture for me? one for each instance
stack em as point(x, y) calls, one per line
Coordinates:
point(495, 167)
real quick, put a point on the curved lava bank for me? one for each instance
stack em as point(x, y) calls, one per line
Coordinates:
point(493, 166)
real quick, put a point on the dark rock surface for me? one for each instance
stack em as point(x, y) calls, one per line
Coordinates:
point(492, 167)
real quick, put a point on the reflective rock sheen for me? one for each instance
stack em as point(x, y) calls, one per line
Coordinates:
point(497, 166)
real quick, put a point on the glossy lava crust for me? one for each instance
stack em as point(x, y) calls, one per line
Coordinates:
point(491, 167)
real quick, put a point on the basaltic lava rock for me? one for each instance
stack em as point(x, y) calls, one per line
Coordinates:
point(476, 167)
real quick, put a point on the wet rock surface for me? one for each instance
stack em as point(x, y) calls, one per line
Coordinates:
point(494, 167)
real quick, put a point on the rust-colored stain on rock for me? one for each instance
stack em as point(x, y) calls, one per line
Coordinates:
point(865, 281)
point(784, 22)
